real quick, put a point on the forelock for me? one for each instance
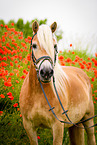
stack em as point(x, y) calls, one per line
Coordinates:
point(45, 38)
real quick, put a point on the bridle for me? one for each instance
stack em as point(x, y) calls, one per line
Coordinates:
point(42, 59)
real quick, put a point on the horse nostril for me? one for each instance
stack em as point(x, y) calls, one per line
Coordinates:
point(42, 72)
point(51, 72)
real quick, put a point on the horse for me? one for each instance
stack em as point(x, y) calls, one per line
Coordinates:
point(73, 88)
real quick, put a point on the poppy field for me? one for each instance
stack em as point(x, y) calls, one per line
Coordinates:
point(14, 66)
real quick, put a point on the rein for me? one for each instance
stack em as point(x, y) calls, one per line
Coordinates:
point(43, 58)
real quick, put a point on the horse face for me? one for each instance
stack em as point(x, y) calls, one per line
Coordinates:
point(45, 65)
point(43, 45)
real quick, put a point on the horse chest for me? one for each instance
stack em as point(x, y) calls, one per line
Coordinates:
point(40, 116)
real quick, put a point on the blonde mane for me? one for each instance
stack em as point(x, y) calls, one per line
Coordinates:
point(45, 38)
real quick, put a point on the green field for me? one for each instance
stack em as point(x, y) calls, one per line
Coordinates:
point(14, 66)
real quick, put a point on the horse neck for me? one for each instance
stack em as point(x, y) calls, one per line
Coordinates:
point(34, 84)
point(33, 81)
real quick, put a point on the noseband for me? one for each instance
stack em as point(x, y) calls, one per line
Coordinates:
point(42, 59)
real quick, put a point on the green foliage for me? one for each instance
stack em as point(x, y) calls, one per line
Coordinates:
point(2, 22)
point(27, 27)
point(12, 131)
point(10, 23)
point(20, 24)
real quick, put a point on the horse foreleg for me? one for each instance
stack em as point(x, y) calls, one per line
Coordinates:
point(76, 135)
point(30, 132)
point(89, 131)
point(58, 130)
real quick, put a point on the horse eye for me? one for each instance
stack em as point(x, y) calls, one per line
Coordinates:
point(34, 46)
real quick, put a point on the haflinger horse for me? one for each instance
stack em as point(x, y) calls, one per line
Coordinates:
point(73, 88)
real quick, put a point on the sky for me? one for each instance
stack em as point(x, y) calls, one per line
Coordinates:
point(72, 16)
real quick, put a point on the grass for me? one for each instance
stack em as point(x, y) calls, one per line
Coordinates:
point(14, 66)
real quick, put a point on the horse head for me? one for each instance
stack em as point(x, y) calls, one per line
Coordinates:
point(44, 48)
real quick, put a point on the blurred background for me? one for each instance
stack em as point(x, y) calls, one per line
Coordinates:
point(76, 19)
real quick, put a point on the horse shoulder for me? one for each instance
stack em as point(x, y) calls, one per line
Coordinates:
point(79, 89)
point(76, 73)
point(25, 99)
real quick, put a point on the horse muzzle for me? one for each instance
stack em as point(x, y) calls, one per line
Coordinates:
point(46, 74)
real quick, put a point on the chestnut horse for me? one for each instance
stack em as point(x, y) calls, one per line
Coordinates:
point(73, 87)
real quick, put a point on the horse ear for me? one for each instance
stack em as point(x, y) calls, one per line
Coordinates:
point(53, 27)
point(35, 26)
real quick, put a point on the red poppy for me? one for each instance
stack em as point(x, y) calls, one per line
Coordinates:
point(26, 40)
point(96, 54)
point(16, 56)
point(12, 24)
point(23, 77)
point(3, 64)
point(15, 105)
point(95, 62)
point(20, 58)
point(91, 85)
point(60, 57)
point(84, 62)
point(28, 57)
point(93, 59)
point(20, 115)
point(95, 73)
point(92, 79)
point(70, 45)
point(25, 71)
point(29, 37)
point(2, 96)
point(1, 112)
point(73, 52)
point(18, 66)
point(73, 62)
point(38, 137)
point(18, 109)
point(7, 83)
point(1, 25)
point(21, 50)
point(62, 63)
point(11, 74)
point(5, 58)
point(11, 97)
point(6, 26)
point(16, 61)
point(96, 98)
point(17, 81)
point(0, 45)
point(13, 40)
point(69, 60)
point(9, 94)
point(89, 63)
point(60, 51)
point(88, 58)
point(82, 66)
point(28, 66)
point(20, 37)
